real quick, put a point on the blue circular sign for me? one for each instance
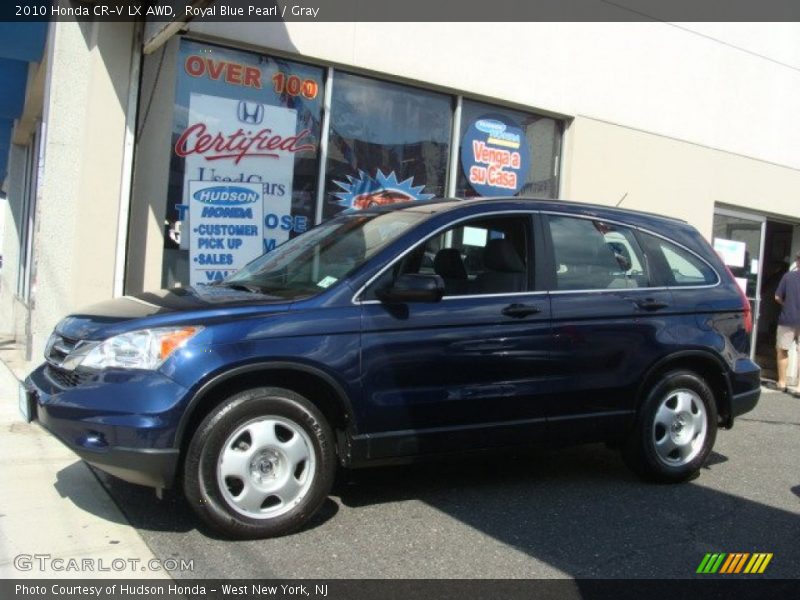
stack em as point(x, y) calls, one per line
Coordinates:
point(495, 156)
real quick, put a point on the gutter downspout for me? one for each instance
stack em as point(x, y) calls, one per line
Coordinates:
point(126, 177)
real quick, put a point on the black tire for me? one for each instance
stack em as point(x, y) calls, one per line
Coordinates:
point(285, 421)
point(647, 449)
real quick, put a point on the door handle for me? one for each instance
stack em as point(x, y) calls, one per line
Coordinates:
point(519, 311)
point(651, 304)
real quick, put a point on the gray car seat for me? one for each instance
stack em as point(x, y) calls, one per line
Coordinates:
point(505, 270)
point(449, 265)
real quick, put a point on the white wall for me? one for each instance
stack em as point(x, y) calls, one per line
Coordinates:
point(658, 174)
point(11, 321)
point(706, 83)
point(151, 171)
point(76, 213)
point(9, 247)
point(3, 208)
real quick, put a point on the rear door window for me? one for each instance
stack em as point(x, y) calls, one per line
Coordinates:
point(594, 255)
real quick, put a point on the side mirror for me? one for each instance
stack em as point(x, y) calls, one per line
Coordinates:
point(412, 287)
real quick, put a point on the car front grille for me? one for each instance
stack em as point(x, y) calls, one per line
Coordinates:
point(67, 379)
point(59, 348)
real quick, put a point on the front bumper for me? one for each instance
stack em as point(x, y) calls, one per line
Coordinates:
point(122, 422)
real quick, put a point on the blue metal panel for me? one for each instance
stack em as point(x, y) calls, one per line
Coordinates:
point(13, 78)
point(5, 145)
point(23, 41)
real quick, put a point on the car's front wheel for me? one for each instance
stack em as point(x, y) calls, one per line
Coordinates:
point(675, 429)
point(260, 464)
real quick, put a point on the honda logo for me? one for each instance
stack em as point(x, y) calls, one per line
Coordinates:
point(251, 113)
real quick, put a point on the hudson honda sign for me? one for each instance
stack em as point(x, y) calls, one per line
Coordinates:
point(226, 229)
point(226, 195)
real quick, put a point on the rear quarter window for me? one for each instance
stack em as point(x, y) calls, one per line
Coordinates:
point(682, 267)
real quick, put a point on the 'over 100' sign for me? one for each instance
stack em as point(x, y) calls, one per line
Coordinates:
point(226, 228)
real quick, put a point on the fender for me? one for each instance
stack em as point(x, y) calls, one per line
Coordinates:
point(684, 354)
point(219, 378)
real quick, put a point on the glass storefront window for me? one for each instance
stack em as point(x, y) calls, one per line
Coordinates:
point(245, 162)
point(507, 152)
point(387, 143)
point(243, 174)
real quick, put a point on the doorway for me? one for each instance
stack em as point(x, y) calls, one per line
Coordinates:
point(758, 250)
point(739, 240)
point(778, 243)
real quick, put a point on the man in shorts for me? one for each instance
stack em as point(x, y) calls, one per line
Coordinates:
point(788, 296)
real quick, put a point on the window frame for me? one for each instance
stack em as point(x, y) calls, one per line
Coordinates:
point(333, 82)
point(489, 106)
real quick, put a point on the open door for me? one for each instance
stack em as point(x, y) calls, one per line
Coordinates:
point(739, 240)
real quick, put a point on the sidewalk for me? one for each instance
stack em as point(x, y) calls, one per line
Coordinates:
point(51, 504)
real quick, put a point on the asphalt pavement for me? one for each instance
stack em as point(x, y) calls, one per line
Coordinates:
point(573, 513)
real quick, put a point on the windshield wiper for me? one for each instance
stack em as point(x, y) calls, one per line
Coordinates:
point(253, 289)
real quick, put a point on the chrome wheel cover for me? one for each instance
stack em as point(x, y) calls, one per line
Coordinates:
point(266, 467)
point(680, 427)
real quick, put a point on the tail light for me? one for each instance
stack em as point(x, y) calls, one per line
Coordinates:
point(748, 312)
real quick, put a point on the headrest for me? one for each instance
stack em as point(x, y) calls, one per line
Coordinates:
point(500, 255)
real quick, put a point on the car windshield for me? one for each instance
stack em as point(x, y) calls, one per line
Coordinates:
point(317, 259)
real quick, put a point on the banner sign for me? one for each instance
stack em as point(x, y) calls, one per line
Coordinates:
point(244, 148)
point(731, 252)
point(226, 228)
point(495, 156)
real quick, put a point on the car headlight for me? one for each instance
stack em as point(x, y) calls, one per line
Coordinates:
point(143, 349)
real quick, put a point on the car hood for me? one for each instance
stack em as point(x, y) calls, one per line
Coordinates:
point(162, 308)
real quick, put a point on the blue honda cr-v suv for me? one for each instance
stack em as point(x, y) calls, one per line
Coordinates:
point(394, 333)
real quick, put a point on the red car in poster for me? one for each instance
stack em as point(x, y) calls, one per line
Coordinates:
point(365, 191)
point(381, 198)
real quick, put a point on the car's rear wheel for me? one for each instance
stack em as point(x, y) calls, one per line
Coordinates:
point(675, 429)
point(260, 464)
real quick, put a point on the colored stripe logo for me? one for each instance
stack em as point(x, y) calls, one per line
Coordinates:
point(734, 563)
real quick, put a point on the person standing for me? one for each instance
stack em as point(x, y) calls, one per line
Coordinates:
point(788, 296)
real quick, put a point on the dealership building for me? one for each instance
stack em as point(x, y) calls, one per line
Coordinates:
point(143, 155)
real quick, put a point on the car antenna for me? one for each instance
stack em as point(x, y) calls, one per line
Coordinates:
point(625, 195)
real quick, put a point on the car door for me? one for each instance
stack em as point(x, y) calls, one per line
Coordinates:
point(468, 371)
point(606, 317)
